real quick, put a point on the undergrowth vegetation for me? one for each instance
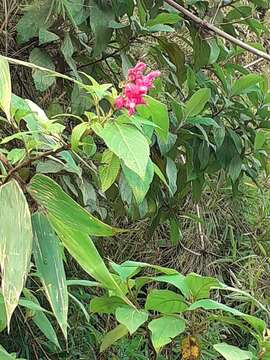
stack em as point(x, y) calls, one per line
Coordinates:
point(134, 189)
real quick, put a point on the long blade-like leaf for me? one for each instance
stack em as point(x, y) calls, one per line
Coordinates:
point(50, 195)
point(82, 248)
point(49, 262)
point(15, 243)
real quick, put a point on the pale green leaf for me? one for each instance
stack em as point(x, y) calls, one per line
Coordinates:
point(128, 144)
point(77, 134)
point(131, 318)
point(159, 115)
point(200, 286)
point(164, 329)
point(139, 186)
point(49, 262)
point(4, 355)
point(5, 87)
point(197, 102)
point(112, 336)
point(105, 304)
point(109, 169)
point(230, 352)
point(244, 84)
point(15, 243)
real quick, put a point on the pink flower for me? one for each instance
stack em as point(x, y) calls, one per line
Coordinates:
point(136, 87)
point(120, 102)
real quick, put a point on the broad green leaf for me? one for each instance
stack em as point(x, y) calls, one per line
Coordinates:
point(131, 318)
point(42, 79)
point(4, 355)
point(41, 320)
point(139, 186)
point(235, 167)
point(125, 270)
point(77, 134)
point(112, 336)
point(63, 208)
point(164, 18)
point(15, 244)
point(243, 85)
point(197, 102)
point(178, 280)
point(49, 263)
point(105, 304)
point(209, 304)
point(164, 329)
point(165, 301)
point(82, 248)
point(159, 115)
point(128, 144)
point(230, 352)
point(109, 169)
point(260, 138)
point(67, 50)
point(46, 36)
point(5, 87)
point(200, 286)
point(201, 51)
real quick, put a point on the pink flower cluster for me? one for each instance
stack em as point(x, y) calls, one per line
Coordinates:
point(136, 87)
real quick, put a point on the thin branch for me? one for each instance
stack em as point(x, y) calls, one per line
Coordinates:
point(29, 161)
point(210, 27)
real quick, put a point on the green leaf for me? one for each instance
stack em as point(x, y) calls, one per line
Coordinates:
point(63, 208)
point(197, 102)
point(5, 87)
point(108, 170)
point(164, 329)
point(175, 231)
point(105, 304)
point(100, 18)
point(165, 301)
point(201, 51)
point(159, 173)
point(46, 36)
point(171, 171)
point(41, 320)
point(260, 138)
point(164, 18)
point(178, 280)
point(68, 50)
point(131, 318)
point(235, 167)
point(128, 144)
point(49, 262)
point(159, 115)
point(15, 244)
point(112, 336)
point(208, 304)
point(4, 355)
point(42, 80)
point(139, 186)
point(230, 352)
point(200, 286)
point(82, 248)
point(77, 134)
point(203, 121)
point(3, 316)
point(244, 84)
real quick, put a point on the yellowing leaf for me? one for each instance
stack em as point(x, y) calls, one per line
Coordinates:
point(5, 87)
point(15, 244)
